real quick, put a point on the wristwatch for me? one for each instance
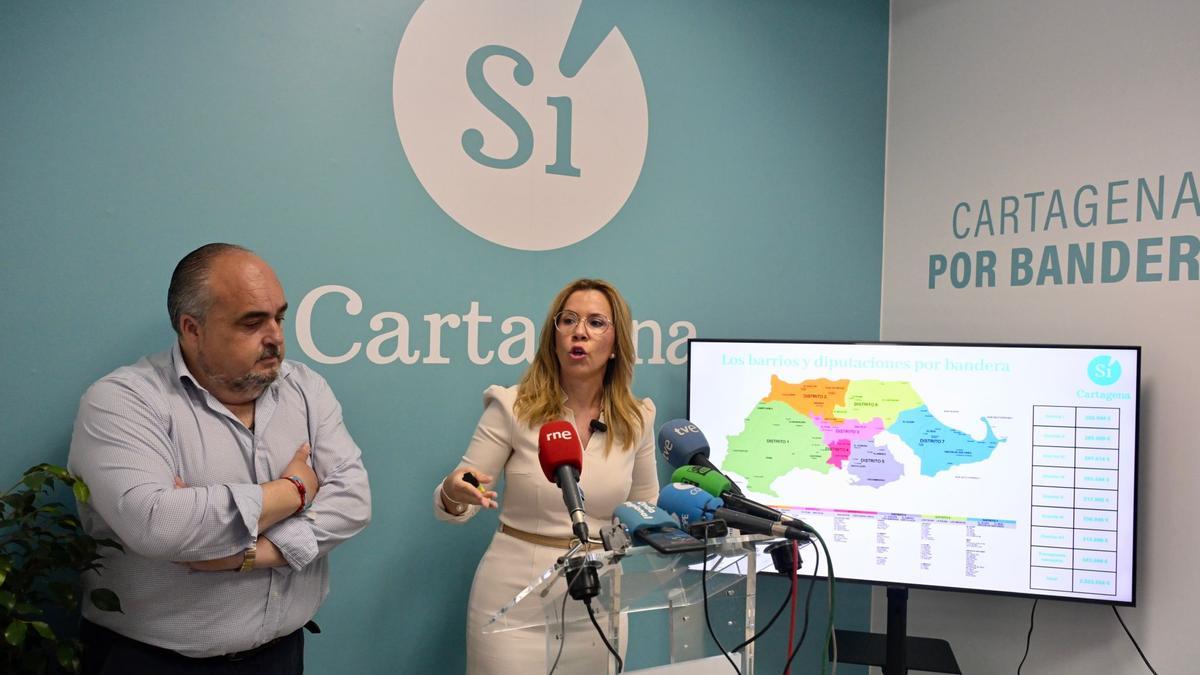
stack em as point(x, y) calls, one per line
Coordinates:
point(248, 556)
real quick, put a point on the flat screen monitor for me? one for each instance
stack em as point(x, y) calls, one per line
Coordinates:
point(993, 468)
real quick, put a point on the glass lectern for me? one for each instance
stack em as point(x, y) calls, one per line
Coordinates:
point(640, 579)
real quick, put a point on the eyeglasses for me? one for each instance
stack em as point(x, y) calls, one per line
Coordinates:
point(595, 324)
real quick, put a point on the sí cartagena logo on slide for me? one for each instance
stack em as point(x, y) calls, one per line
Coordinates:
point(525, 121)
point(1104, 370)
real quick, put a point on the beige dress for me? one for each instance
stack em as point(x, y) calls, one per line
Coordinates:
point(534, 504)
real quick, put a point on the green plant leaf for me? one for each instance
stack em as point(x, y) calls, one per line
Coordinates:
point(28, 609)
point(20, 502)
point(62, 593)
point(57, 471)
point(42, 629)
point(65, 652)
point(15, 633)
point(109, 543)
point(105, 600)
point(81, 492)
point(7, 600)
point(34, 481)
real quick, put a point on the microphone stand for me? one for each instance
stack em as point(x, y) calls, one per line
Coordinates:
point(582, 572)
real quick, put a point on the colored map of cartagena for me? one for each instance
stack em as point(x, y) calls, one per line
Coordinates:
point(836, 425)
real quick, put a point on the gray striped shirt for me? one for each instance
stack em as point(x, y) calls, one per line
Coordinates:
point(141, 426)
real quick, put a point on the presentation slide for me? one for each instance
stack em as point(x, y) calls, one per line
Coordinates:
point(992, 468)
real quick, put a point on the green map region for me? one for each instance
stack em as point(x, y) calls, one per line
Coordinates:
point(833, 425)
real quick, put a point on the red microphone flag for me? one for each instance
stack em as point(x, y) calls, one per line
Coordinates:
point(558, 444)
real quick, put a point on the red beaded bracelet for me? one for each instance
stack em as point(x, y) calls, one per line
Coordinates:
point(303, 492)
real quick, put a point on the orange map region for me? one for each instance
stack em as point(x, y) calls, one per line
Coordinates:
point(811, 397)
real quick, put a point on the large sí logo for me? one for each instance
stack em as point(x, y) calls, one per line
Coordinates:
point(524, 120)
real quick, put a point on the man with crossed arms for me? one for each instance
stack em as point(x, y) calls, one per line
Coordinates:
point(226, 473)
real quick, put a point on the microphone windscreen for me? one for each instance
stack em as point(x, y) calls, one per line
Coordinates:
point(558, 445)
point(638, 516)
point(711, 481)
point(678, 440)
point(688, 503)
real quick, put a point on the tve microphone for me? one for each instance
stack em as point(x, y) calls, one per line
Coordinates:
point(561, 457)
point(682, 443)
point(717, 485)
point(692, 505)
point(650, 524)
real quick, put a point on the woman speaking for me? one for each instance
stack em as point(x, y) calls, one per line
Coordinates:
point(582, 374)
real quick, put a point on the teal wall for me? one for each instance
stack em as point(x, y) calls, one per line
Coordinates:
point(132, 132)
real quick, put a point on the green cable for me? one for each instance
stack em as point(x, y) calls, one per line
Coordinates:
point(829, 625)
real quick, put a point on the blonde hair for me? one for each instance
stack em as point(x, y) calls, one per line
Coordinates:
point(540, 394)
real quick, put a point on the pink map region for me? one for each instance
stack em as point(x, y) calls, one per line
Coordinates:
point(840, 437)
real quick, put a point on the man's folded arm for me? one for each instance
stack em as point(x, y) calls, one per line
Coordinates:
point(342, 507)
point(122, 449)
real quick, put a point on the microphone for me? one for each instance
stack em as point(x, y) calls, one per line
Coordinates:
point(561, 457)
point(682, 443)
point(688, 503)
point(693, 505)
point(598, 426)
point(650, 524)
point(718, 485)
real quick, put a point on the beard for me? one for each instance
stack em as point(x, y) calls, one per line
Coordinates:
point(249, 383)
point(253, 382)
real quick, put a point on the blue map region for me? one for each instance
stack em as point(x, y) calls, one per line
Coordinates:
point(939, 446)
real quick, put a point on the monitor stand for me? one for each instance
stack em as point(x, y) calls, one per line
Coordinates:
point(896, 652)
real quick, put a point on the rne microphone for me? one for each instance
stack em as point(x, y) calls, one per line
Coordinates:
point(692, 505)
point(561, 457)
point(647, 523)
point(718, 485)
point(682, 444)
